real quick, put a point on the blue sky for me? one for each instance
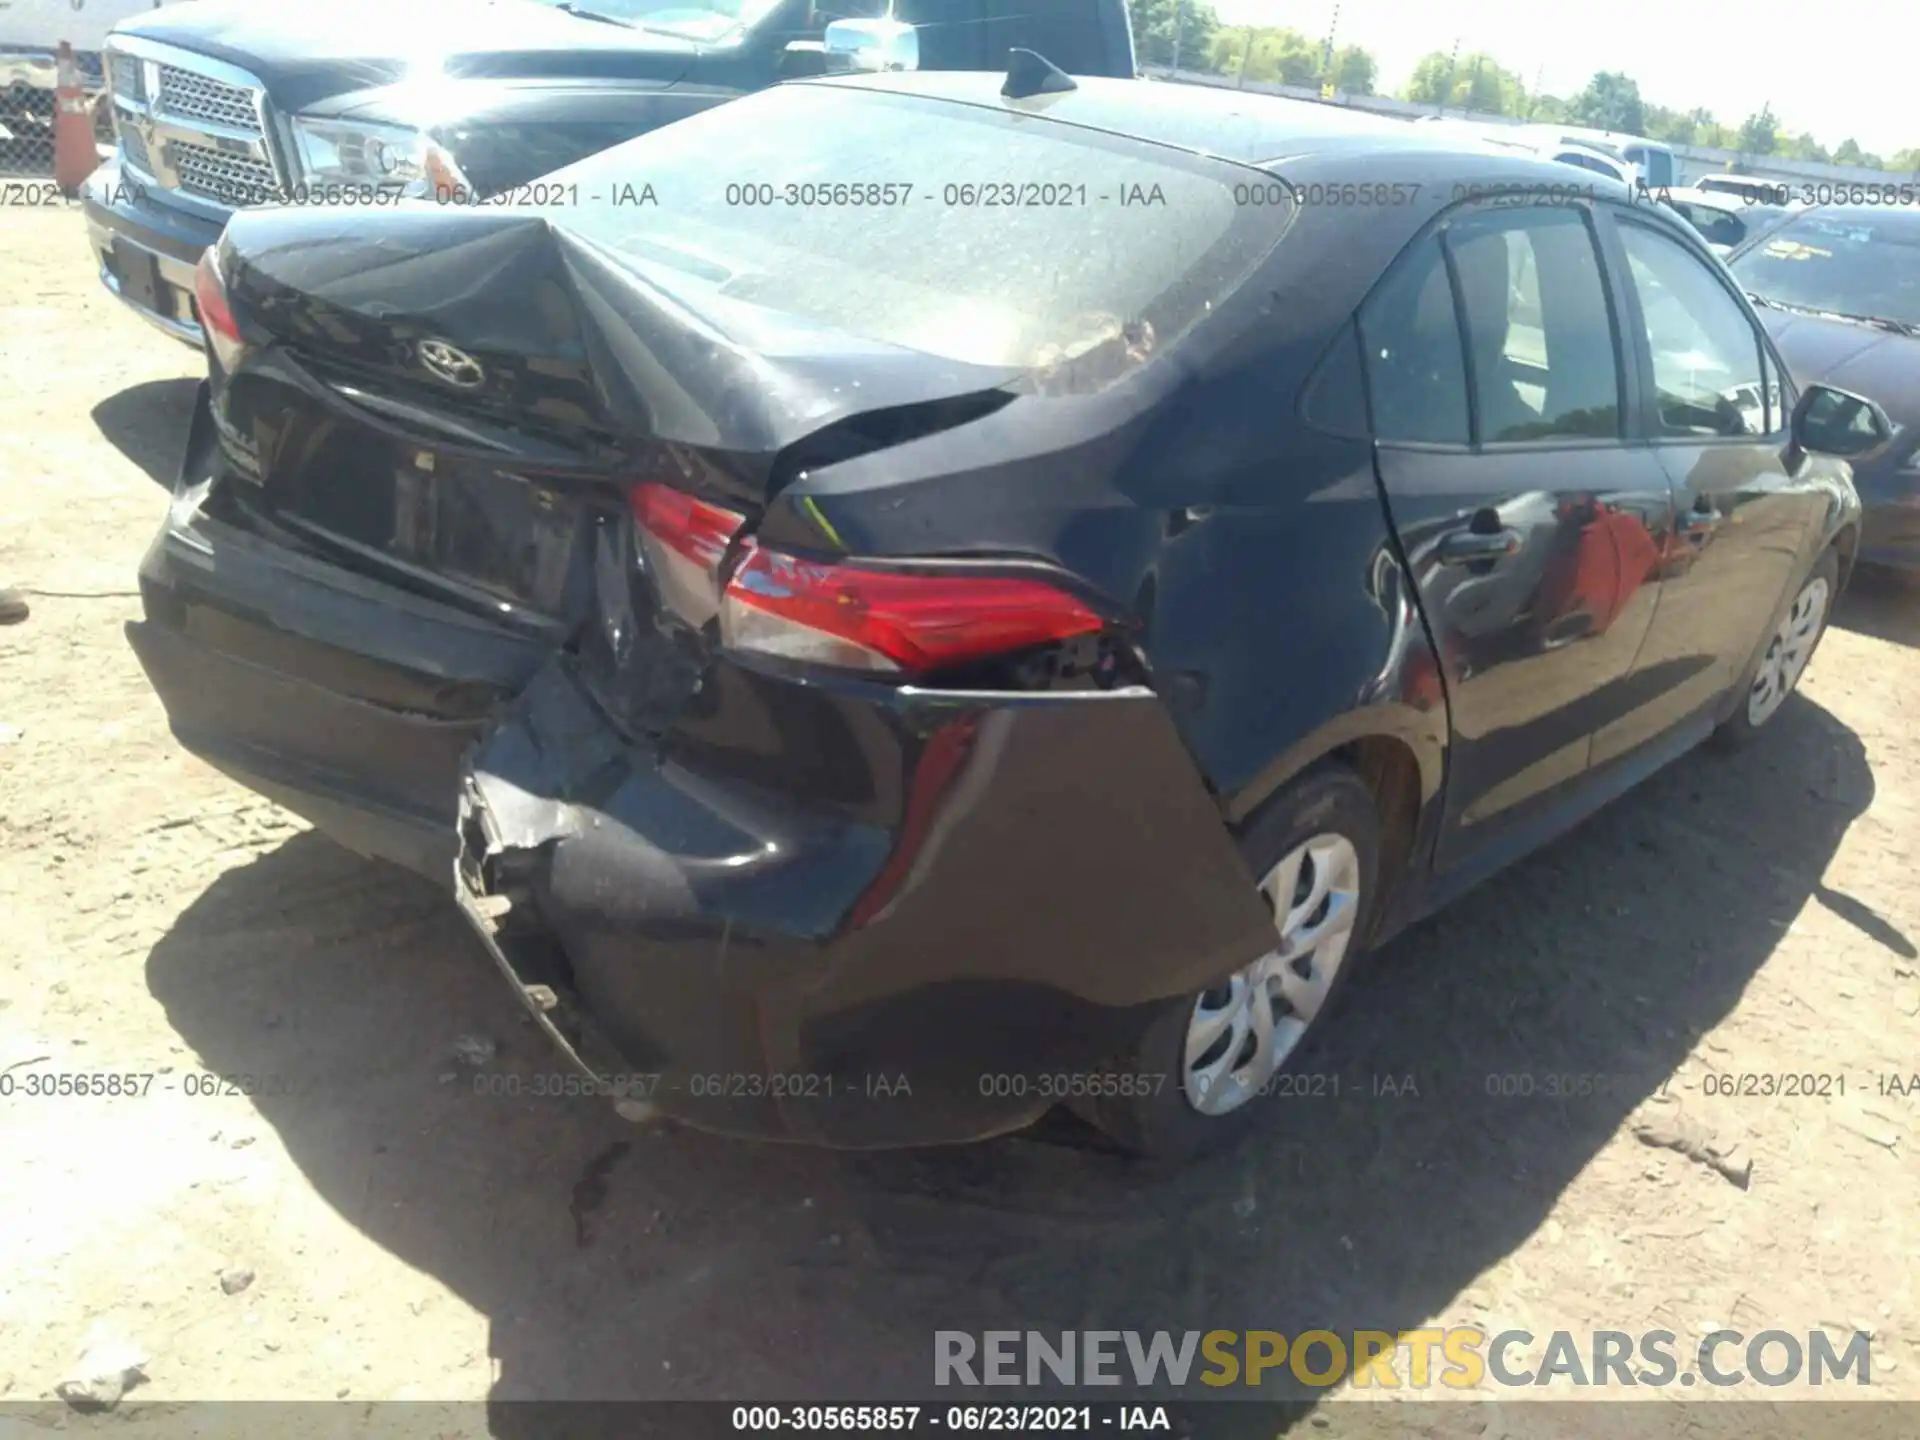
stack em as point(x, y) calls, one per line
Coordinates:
point(1854, 71)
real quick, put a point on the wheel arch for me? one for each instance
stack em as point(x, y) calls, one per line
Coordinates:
point(1846, 544)
point(1399, 751)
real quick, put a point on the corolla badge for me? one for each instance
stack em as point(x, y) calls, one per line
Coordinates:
point(451, 364)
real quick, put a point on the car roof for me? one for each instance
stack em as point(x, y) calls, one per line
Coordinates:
point(1249, 129)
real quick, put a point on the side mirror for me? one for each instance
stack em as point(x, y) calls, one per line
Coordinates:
point(873, 44)
point(1827, 421)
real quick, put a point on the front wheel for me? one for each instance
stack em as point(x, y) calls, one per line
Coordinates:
point(1789, 649)
point(1315, 848)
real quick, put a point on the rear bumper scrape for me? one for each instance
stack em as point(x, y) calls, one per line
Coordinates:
point(945, 968)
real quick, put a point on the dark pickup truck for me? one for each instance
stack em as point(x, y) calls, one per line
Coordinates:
point(227, 103)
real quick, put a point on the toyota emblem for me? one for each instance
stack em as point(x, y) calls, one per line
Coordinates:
point(451, 364)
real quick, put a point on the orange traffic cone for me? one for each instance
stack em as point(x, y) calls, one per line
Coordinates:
point(75, 155)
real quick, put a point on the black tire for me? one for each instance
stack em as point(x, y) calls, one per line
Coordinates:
point(1164, 1125)
point(1739, 730)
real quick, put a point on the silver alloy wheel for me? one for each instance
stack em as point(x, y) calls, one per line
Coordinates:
point(1788, 652)
point(1241, 1032)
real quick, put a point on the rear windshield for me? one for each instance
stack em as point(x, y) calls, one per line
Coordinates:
point(1866, 266)
point(959, 231)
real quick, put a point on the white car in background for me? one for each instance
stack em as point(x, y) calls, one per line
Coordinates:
point(1747, 188)
point(1631, 158)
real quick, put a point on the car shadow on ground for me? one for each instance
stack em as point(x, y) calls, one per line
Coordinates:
point(148, 424)
point(617, 1262)
point(1885, 607)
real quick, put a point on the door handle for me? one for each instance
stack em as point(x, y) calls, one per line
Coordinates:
point(1465, 547)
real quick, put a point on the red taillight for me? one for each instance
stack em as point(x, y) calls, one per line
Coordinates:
point(867, 619)
point(684, 540)
point(216, 316)
point(847, 615)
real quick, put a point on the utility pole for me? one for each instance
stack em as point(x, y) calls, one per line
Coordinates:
point(1245, 51)
point(1326, 54)
point(1179, 24)
point(1453, 64)
point(1539, 79)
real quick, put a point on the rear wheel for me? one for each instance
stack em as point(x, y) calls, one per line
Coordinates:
point(1315, 849)
point(1789, 649)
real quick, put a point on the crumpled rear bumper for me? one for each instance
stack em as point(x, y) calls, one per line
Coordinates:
point(812, 909)
point(349, 701)
point(1054, 872)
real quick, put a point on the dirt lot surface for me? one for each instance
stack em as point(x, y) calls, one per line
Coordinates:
point(409, 1237)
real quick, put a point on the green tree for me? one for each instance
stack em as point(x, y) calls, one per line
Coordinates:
point(1153, 22)
point(1485, 86)
point(1611, 101)
point(1708, 131)
point(1475, 82)
point(1432, 80)
point(1271, 56)
point(1547, 109)
point(1354, 70)
point(1907, 162)
point(1758, 133)
point(1675, 127)
point(1801, 147)
point(1848, 152)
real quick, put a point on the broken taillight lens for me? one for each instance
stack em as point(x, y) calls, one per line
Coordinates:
point(845, 614)
point(858, 617)
point(684, 540)
point(216, 315)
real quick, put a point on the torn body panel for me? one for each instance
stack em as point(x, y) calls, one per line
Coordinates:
point(1030, 874)
point(604, 357)
point(346, 698)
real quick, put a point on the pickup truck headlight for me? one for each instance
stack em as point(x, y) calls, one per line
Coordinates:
point(341, 152)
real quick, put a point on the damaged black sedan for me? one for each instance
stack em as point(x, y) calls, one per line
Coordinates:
point(908, 601)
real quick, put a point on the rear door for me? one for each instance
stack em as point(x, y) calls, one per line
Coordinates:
point(1716, 410)
point(1499, 408)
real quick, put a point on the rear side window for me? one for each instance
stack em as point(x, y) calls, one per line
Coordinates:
point(1538, 325)
point(968, 233)
point(1416, 375)
point(1706, 352)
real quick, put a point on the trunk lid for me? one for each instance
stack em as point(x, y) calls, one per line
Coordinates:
point(500, 327)
point(463, 400)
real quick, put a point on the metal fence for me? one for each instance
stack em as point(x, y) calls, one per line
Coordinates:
point(26, 111)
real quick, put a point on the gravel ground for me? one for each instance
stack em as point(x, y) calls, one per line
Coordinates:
point(409, 1237)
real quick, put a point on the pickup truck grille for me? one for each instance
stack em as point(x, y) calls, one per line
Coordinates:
point(128, 83)
point(193, 124)
point(134, 143)
point(187, 96)
point(233, 180)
